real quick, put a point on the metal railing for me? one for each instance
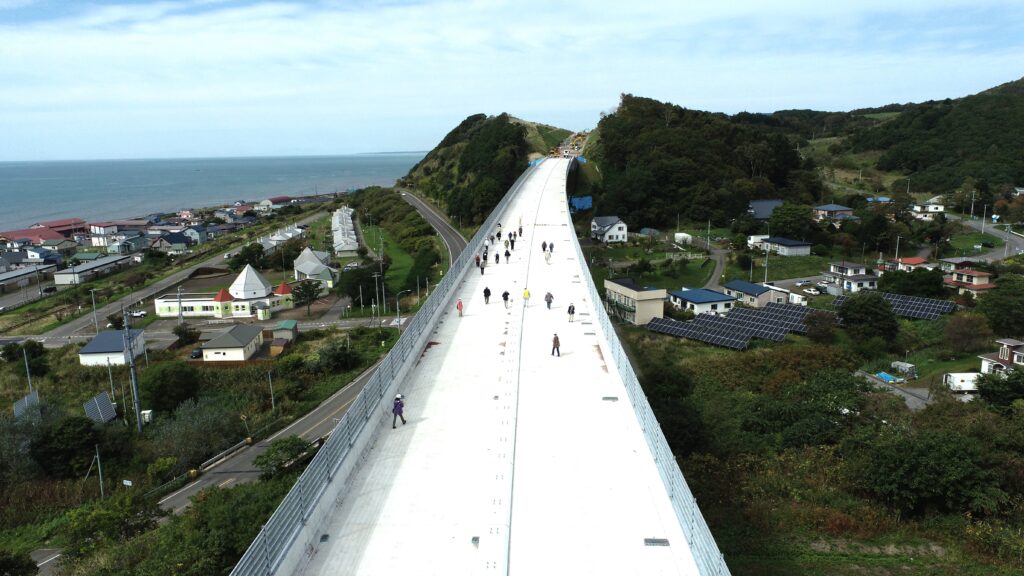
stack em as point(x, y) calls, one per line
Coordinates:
point(708, 558)
point(272, 544)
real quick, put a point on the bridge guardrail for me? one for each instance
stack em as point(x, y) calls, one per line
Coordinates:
point(706, 554)
point(276, 538)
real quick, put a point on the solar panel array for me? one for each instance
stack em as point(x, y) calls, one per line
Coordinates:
point(912, 306)
point(22, 405)
point(100, 409)
point(735, 329)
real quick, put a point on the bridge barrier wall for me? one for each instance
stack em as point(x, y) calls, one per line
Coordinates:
point(289, 538)
point(702, 544)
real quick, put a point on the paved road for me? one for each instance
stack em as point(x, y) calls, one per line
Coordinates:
point(23, 295)
point(449, 235)
point(157, 288)
point(718, 255)
point(1014, 243)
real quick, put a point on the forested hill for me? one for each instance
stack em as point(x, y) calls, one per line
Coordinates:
point(476, 163)
point(940, 144)
point(659, 160)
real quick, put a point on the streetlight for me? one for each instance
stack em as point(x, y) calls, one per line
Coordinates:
point(398, 308)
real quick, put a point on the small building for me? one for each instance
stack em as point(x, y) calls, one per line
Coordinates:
point(831, 212)
point(963, 385)
point(249, 295)
point(787, 246)
point(965, 280)
point(926, 211)
point(195, 234)
point(287, 330)
point(65, 247)
point(851, 277)
point(107, 348)
point(1009, 356)
point(633, 303)
point(172, 243)
point(608, 229)
point(755, 295)
point(762, 209)
point(238, 343)
point(948, 265)
point(312, 265)
point(22, 277)
point(80, 273)
point(905, 265)
point(701, 301)
point(756, 241)
point(274, 203)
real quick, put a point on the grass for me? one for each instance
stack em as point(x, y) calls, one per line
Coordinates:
point(401, 261)
point(964, 243)
point(779, 268)
point(882, 116)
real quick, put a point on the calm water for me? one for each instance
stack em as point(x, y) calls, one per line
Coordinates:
point(103, 189)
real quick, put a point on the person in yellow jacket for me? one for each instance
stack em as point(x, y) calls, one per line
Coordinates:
point(526, 298)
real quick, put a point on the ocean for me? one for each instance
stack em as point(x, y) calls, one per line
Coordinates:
point(94, 190)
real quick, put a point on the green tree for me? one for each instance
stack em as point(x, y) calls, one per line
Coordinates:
point(336, 355)
point(306, 293)
point(186, 333)
point(821, 326)
point(965, 333)
point(114, 520)
point(810, 412)
point(285, 255)
point(116, 321)
point(167, 384)
point(13, 564)
point(792, 221)
point(1004, 306)
point(867, 315)
point(66, 447)
point(251, 254)
point(279, 455)
point(1002, 389)
point(38, 360)
point(928, 470)
point(919, 282)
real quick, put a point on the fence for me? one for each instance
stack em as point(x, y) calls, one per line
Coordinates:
point(708, 558)
point(306, 505)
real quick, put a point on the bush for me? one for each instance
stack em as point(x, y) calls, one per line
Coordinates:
point(186, 334)
point(166, 385)
point(279, 455)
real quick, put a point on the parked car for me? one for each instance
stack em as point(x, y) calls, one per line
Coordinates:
point(351, 266)
point(49, 289)
point(812, 291)
point(228, 255)
point(138, 313)
point(801, 283)
point(196, 353)
point(821, 284)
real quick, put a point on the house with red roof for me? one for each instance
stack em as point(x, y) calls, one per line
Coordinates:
point(34, 236)
point(964, 280)
point(905, 265)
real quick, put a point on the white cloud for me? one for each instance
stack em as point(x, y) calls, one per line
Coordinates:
point(224, 78)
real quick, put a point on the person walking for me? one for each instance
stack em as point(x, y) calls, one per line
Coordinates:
point(487, 295)
point(507, 254)
point(513, 243)
point(478, 260)
point(398, 409)
point(496, 258)
point(526, 298)
point(483, 264)
point(549, 299)
point(520, 229)
point(504, 296)
point(543, 246)
point(547, 257)
point(492, 238)
point(551, 246)
point(458, 306)
point(572, 311)
point(506, 243)
point(554, 349)
point(499, 234)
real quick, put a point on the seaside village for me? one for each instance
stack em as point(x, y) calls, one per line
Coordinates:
point(231, 309)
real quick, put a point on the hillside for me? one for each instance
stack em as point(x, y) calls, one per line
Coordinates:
point(476, 163)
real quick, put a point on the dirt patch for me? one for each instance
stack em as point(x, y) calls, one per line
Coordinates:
point(929, 549)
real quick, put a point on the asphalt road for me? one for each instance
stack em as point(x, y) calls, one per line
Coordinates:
point(449, 235)
point(1014, 243)
point(23, 295)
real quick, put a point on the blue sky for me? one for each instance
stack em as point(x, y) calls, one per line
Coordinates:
point(198, 78)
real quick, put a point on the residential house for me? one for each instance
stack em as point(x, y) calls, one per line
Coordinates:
point(1009, 356)
point(83, 257)
point(701, 300)
point(905, 265)
point(762, 209)
point(33, 236)
point(964, 280)
point(107, 348)
point(79, 273)
point(786, 246)
point(633, 303)
point(851, 277)
point(130, 245)
point(343, 232)
point(755, 295)
point(755, 241)
point(312, 265)
point(926, 211)
point(195, 234)
point(948, 265)
point(831, 212)
point(65, 247)
point(608, 229)
point(238, 343)
point(66, 227)
point(274, 203)
point(172, 243)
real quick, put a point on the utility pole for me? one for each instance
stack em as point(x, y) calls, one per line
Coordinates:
point(897, 251)
point(129, 352)
point(376, 293)
point(984, 214)
point(181, 316)
point(398, 309)
point(972, 204)
point(99, 468)
point(96, 323)
point(270, 378)
point(28, 373)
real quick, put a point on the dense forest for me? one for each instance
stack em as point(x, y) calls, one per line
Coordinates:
point(659, 160)
point(473, 166)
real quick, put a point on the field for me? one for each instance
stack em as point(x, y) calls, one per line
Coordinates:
point(963, 244)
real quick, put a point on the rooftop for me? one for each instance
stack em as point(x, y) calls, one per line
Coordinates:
point(832, 208)
point(237, 336)
point(701, 296)
point(747, 287)
point(108, 342)
point(780, 241)
point(97, 263)
point(629, 283)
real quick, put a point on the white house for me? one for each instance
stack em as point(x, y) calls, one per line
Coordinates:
point(850, 276)
point(754, 242)
point(237, 343)
point(312, 265)
point(701, 300)
point(608, 229)
point(1009, 356)
point(107, 348)
point(787, 246)
point(926, 211)
point(249, 295)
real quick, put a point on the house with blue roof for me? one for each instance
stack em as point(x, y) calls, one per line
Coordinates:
point(756, 295)
point(107, 348)
point(786, 246)
point(831, 212)
point(701, 301)
point(762, 209)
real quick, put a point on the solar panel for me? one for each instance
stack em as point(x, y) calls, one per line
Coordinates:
point(25, 403)
point(911, 306)
point(99, 409)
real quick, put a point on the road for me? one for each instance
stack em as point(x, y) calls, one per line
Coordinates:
point(155, 289)
point(22, 296)
point(449, 235)
point(1014, 243)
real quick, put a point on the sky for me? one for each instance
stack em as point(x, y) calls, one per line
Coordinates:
point(220, 78)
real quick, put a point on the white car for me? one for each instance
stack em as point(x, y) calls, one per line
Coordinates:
point(822, 284)
point(801, 283)
point(138, 313)
point(812, 291)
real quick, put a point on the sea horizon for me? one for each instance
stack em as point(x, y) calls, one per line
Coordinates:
point(42, 190)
